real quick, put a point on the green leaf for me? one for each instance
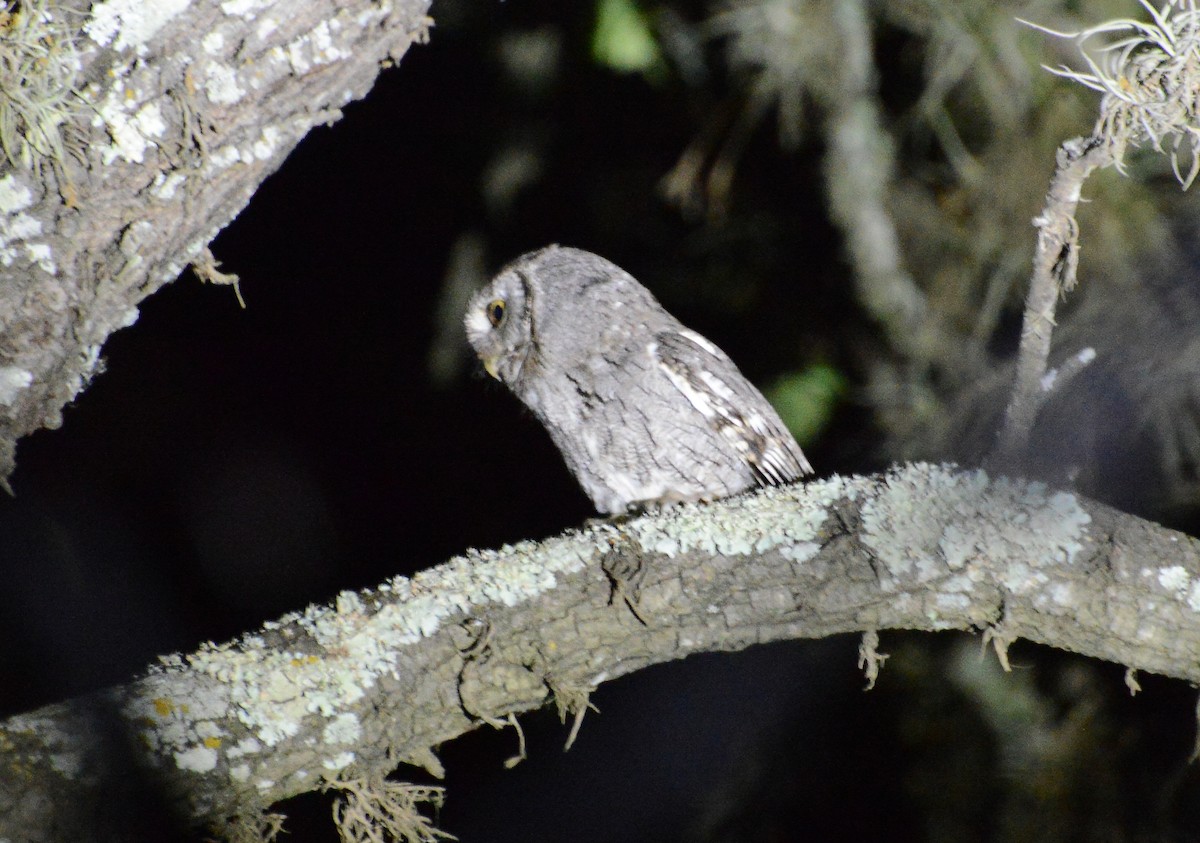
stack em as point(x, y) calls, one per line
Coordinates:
point(805, 400)
point(622, 39)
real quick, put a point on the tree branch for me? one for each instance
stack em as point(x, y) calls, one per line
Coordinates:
point(123, 172)
point(346, 691)
point(1148, 79)
point(859, 171)
point(1054, 266)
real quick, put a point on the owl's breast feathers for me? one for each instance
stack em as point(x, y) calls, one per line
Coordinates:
point(735, 409)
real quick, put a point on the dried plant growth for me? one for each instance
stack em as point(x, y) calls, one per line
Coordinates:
point(378, 810)
point(1150, 79)
point(1055, 265)
point(573, 701)
point(784, 48)
point(39, 102)
point(255, 827)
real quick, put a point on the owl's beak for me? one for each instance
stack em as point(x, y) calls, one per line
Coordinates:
point(489, 363)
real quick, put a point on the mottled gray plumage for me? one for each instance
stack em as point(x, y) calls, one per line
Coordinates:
point(645, 412)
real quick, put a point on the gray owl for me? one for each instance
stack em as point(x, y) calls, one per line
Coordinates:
point(645, 412)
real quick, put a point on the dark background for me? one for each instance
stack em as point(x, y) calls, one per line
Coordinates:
point(230, 465)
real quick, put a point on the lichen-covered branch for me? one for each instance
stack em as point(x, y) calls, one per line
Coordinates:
point(130, 134)
point(344, 692)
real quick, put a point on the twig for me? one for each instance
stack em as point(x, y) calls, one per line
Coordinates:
point(1054, 266)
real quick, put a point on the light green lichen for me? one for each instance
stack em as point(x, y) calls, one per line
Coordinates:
point(785, 519)
point(130, 24)
point(1177, 582)
point(934, 522)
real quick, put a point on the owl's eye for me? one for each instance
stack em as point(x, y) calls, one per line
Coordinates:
point(496, 312)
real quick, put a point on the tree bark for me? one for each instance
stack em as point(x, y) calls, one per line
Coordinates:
point(175, 113)
point(346, 691)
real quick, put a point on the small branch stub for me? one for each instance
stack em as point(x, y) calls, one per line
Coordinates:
point(571, 701)
point(870, 660)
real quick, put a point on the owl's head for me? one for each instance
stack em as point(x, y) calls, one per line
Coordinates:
point(498, 324)
point(552, 309)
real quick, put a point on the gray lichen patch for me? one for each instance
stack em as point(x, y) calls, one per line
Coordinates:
point(130, 24)
point(21, 234)
point(358, 640)
point(1170, 600)
point(784, 519)
point(57, 736)
point(178, 719)
point(1006, 532)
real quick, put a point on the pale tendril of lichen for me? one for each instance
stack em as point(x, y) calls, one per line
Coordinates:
point(1149, 75)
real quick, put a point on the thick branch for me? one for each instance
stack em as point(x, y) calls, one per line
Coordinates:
point(387, 675)
point(177, 112)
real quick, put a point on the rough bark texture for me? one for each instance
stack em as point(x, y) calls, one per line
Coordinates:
point(387, 675)
point(180, 108)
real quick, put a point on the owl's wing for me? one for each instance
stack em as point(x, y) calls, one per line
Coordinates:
point(719, 392)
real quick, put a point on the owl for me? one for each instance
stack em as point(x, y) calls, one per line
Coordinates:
point(645, 412)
